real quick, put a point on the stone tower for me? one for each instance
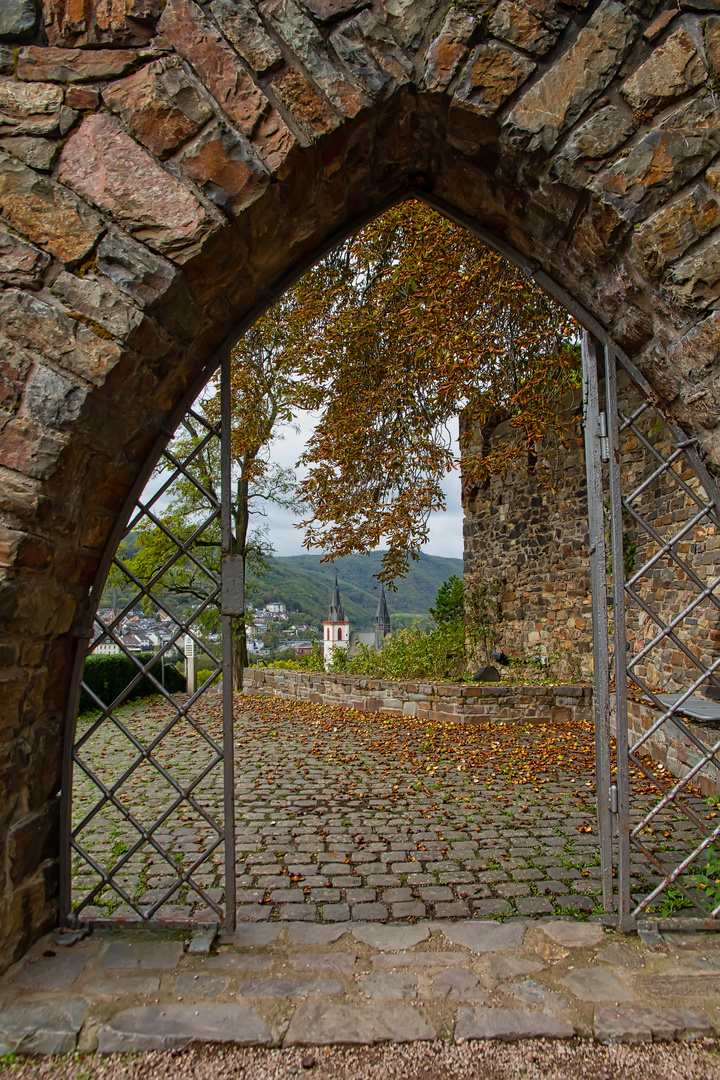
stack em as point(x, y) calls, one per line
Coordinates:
point(336, 628)
point(382, 620)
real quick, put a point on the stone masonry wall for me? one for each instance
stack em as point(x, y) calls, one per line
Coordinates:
point(530, 534)
point(164, 167)
point(454, 702)
point(672, 748)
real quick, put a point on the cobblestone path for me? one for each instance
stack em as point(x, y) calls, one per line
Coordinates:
point(346, 816)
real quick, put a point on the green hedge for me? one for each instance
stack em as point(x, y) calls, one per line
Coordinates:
point(107, 676)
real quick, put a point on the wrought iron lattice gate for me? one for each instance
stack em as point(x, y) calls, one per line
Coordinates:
point(148, 830)
point(654, 527)
point(148, 810)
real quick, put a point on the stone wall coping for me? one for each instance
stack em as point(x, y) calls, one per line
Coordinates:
point(415, 690)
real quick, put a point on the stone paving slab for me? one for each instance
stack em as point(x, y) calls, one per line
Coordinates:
point(321, 1025)
point(47, 1027)
point(368, 984)
point(171, 1027)
point(509, 1024)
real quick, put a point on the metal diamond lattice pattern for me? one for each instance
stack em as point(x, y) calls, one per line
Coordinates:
point(160, 855)
point(662, 526)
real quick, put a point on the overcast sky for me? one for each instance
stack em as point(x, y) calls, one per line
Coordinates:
point(445, 528)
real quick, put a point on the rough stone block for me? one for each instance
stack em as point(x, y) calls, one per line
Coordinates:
point(290, 988)
point(37, 153)
point(399, 961)
point(448, 49)
point(146, 956)
point(45, 212)
point(45, 328)
point(241, 25)
point(670, 231)
point(194, 37)
point(400, 987)
point(131, 986)
point(484, 936)
point(662, 161)
point(52, 972)
point(340, 963)
point(135, 270)
point(122, 22)
point(637, 1023)
point(30, 108)
point(391, 938)
point(99, 300)
point(18, 19)
point(20, 263)
point(311, 113)
point(160, 105)
point(558, 99)
point(304, 39)
point(696, 279)
point(371, 53)
point(671, 70)
point(574, 934)
point(597, 985)
point(103, 164)
point(221, 164)
point(532, 30)
point(73, 65)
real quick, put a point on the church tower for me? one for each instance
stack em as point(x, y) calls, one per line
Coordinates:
point(336, 628)
point(382, 620)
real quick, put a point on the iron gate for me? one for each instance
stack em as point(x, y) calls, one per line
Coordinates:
point(654, 529)
point(141, 838)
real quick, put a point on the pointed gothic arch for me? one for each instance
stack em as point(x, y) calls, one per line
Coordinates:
point(138, 251)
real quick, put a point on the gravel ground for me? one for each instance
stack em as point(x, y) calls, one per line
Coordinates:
point(530, 1060)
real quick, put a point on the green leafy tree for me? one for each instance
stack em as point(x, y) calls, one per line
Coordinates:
point(449, 602)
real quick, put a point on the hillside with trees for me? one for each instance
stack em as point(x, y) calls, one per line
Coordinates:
point(304, 584)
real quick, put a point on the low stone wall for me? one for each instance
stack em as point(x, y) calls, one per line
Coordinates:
point(672, 748)
point(481, 703)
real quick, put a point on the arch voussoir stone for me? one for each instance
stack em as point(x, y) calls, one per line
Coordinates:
point(165, 168)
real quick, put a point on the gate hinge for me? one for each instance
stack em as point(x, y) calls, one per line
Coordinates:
point(604, 441)
point(613, 798)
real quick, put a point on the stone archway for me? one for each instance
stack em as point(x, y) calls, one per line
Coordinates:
point(163, 175)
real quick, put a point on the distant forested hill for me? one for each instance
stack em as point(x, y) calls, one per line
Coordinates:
point(305, 584)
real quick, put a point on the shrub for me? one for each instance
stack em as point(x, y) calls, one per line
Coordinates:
point(314, 661)
point(410, 654)
point(107, 677)
point(205, 673)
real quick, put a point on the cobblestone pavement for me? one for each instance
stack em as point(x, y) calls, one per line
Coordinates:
point(346, 816)
point(300, 984)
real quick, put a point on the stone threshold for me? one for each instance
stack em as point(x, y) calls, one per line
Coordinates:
point(300, 984)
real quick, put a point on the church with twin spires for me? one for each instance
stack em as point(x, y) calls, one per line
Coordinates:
point(336, 628)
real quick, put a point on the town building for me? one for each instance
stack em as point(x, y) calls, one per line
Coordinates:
point(336, 628)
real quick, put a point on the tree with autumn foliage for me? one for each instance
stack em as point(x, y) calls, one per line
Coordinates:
point(405, 326)
point(389, 338)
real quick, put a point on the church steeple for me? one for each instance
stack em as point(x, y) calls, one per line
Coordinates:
point(382, 619)
point(336, 613)
point(336, 628)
